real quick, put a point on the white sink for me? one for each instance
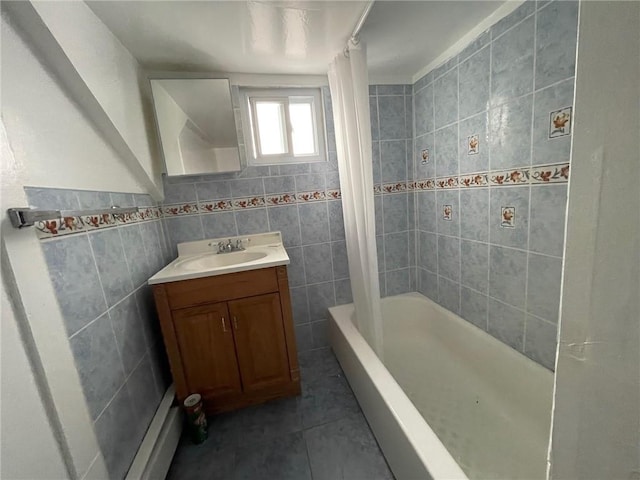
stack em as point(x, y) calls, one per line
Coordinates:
point(199, 259)
point(217, 260)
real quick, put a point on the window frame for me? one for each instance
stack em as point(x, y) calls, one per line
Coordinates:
point(249, 97)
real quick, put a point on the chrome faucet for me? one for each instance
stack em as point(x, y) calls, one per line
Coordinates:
point(230, 247)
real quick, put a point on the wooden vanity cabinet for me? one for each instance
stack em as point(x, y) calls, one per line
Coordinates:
point(230, 338)
point(207, 349)
point(261, 346)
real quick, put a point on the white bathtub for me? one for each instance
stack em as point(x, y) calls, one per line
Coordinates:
point(450, 401)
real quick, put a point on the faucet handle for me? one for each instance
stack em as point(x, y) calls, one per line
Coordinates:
point(239, 245)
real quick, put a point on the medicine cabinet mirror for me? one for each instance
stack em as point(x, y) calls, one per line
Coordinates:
point(196, 125)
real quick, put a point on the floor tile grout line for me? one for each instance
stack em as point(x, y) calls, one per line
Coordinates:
point(306, 448)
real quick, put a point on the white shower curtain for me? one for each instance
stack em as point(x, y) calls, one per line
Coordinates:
point(348, 81)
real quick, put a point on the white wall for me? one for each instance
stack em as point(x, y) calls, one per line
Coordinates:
point(100, 76)
point(47, 345)
point(596, 420)
point(108, 69)
point(50, 134)
point(48, 139)
point(28, 448)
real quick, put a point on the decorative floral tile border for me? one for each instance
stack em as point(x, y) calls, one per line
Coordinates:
point(246, 203)
point(447, 182)
point(281, 199)
point(218, 205)
point(550, 174)
point(537, 175)
point(541, 174)
point(474, 180)
point(510, 177)
point(393, 187)
point(425, 184)
point(334, 194)
point(85, 223)
point(183, 209)
point(311, 196)
point(250, 202)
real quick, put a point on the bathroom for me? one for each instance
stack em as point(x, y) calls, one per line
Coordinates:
point(470, 178)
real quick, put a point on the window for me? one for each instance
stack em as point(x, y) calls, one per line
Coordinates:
point(283, 125)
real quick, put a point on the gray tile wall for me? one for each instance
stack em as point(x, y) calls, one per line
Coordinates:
point(313, 235)
point(503, 86)
point(100, 283)
point(391, 109)
point(313, 232)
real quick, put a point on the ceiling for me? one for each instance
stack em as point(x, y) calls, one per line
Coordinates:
point(288, 37)
point(266, 37)
point(404, 37)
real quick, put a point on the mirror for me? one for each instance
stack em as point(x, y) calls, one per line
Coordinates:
point(196, 125)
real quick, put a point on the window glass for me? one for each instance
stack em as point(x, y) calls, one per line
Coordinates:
point(302, 134)
point(271, 127)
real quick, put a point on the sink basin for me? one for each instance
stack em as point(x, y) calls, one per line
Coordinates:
point(213, 260)
point(198, 260)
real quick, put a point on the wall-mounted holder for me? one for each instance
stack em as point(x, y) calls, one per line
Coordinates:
point(26, 217)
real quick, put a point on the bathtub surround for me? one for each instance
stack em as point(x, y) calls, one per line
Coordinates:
point(99, 272)
point(350, 102)
point(491, 162)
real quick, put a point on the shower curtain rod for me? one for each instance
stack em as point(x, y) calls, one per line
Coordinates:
point(358, 27)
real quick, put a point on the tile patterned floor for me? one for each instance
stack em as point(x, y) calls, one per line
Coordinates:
point(321, 435)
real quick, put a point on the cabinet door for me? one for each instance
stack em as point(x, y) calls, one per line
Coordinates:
point(207, 350)
point(260, 341)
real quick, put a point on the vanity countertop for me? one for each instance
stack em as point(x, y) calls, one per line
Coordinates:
point(201, 258)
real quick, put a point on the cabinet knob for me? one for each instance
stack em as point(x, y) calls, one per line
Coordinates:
point(224, 325)
point(235, 322)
